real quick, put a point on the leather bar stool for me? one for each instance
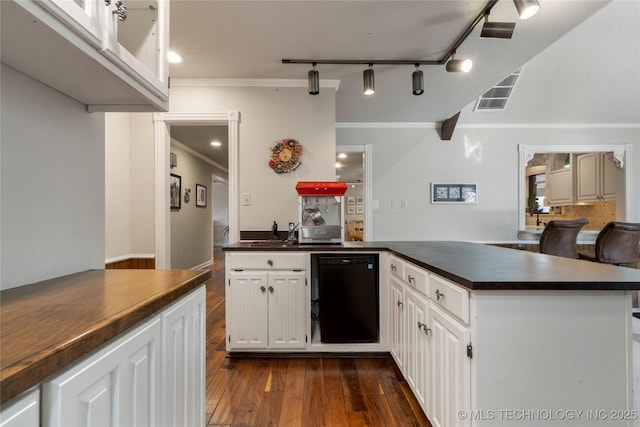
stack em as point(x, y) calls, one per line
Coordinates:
point(560, 237)
point(617, 243)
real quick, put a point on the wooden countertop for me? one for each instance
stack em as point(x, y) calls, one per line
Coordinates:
point(46, 326)
point(485, 267)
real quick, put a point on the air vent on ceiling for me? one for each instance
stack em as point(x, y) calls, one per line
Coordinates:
point(496, 98)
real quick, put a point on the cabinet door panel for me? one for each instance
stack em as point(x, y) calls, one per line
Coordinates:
point(588, 177)
point(23, 412)
point(247, 310)
point(609, 178)
point(84, 17)
point(114, 386)
point(287, 320)
point(397, 329)
point(450, 370)
point(417, 356)
point(183, 361)
point(559, 188)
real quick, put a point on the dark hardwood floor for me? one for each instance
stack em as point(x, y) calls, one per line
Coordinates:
point(299, 391)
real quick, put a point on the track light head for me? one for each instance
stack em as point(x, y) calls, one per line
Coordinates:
point(496, 30)
point(417, 80)
point(313, 81)
point(369, 84)
point(459, 65)
point(526, 8)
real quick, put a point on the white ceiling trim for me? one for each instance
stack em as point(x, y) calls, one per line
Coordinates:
point(427, 125)
point(332, 84)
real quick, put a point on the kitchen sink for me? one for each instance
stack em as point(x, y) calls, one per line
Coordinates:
point(265, 243)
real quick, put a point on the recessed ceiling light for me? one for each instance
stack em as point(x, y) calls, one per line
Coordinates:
point(174, 58)
point(342, 155)
point(216, 143)
point(338, 165)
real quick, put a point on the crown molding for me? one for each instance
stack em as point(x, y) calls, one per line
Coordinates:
point(198, 155)
point(429, 125)
point(332, 84)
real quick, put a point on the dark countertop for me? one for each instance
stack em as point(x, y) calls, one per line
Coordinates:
point(48, 325)
point(485, 267)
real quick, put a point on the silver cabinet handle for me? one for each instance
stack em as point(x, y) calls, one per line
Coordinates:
point(393, 267)
point(424, 327)
point(439, 295)
point(270, 262)
point(263, 289)
point(271, 289)
point(399, 303)
point(411, 279)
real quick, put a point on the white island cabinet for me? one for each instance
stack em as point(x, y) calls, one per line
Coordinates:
point(82, 49)
point(23, 411)
point(266, 301)
point(151, 375)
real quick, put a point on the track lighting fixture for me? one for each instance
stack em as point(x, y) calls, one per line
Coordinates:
point(369, 84)
point(417, 80)
point(313, 80)
point(527, 8)
point(496, 30)
point(459, 65)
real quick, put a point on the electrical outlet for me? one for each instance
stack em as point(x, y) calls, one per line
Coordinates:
point(394, 204)
point(246, 199)
point(403, 204)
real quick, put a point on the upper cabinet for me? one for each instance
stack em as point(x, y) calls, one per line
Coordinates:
point(559, 180)
point(596, 177)
point(110, 55)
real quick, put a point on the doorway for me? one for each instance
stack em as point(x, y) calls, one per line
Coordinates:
point(353, 166)
point(162, 126)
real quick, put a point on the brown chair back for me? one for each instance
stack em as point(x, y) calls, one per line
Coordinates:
point(618, 243)
point(560, 238)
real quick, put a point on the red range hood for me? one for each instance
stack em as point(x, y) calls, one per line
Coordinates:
point(321, 188)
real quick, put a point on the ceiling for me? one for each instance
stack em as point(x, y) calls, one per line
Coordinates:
point(572, 81)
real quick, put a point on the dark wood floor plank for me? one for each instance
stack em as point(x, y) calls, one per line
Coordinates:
point(233, 394)
point(335, 411)
point(351, 388)
point(292, 402)
point(313, 405)
point(258, 370)
point(399, 406)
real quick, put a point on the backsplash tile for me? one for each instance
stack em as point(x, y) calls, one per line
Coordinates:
point(598, 215)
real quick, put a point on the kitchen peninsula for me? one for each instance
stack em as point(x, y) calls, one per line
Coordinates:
point(104, 344)
point(478, 331)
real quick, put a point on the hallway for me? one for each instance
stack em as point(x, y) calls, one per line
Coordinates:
point(299, 391)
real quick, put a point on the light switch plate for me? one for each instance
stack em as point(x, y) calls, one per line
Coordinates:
point(246, 199)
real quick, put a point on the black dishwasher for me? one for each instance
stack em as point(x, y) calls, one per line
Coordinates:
point(348, 295)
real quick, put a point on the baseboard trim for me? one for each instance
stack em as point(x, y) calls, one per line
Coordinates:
point(203, 266)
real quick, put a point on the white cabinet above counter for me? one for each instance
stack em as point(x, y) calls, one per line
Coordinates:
point(83, 50)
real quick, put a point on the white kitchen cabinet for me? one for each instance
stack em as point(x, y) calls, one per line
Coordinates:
point(79, 48)
point(596, 177)
point(22, 411)
point(266, 309)
point(183, 361)
point(559, 187)
point(418, 354)
point(450, 370)
point(117, 385)
point(396, 299)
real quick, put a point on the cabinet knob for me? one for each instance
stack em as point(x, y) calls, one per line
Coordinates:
point(399, 303)
point(270, 262)
point(426, 329)
point(439, 295)
point(271, 289)
point(263, 289)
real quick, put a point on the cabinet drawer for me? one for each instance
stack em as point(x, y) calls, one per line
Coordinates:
point(450, 296)
point(396, 267)
point(266, 261)
point(417, 278)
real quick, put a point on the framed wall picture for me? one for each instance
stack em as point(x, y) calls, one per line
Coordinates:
point(360, 200)
point(351, 200)
point(360, 209)
point(175, 191)
point(351, 210)
point(454, 193)
point(201, 196)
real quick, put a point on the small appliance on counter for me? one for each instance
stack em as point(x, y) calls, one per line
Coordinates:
point(321, 213)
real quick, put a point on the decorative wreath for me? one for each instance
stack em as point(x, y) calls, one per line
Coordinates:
point(285, 156)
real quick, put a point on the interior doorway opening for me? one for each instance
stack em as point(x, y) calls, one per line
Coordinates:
point(353, 166)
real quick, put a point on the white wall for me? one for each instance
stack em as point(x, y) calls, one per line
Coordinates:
point(267, 115)
point(407, 160)
point(53, 183)
point(191, 226)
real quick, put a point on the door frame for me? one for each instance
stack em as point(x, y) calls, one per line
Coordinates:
point(366, 149)
point(162, 142)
